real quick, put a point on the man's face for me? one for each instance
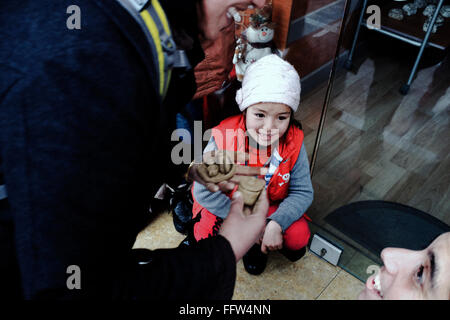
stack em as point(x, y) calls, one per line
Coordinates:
point(213, 18)
point(407, 274)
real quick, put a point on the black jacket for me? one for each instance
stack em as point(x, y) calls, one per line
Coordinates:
point(83, 148)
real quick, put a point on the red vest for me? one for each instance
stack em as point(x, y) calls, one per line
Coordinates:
point(230, 135)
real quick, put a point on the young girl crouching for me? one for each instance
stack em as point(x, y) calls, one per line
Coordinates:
point(267, 131)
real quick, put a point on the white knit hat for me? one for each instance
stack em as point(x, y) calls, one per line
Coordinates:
point(269, 79)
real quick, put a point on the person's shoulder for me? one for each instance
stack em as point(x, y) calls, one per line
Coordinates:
point(40, 31)
point(292, 142)
point(295, 133)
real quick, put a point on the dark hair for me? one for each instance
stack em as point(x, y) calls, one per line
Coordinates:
point(295, 122)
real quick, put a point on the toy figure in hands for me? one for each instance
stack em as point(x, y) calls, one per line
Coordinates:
point(256, 41)
point(219, 172)
point(221, 167)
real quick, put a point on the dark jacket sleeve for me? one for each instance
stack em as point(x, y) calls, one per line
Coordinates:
point(79, 148)
point(204, 271)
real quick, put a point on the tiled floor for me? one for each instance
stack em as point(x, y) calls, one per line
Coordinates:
point(309, 278)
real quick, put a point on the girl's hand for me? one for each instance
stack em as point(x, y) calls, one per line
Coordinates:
point(273, 237)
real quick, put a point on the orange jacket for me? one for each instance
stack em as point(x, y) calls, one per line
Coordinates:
point(214, 69)
point(230, 135)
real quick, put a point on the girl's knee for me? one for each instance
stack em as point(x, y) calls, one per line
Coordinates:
point(297, 235)
point(207, 226)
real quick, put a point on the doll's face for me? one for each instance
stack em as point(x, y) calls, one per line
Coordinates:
point(267, 122)
point(259, 35)
point(412, 275)
point(213, 18)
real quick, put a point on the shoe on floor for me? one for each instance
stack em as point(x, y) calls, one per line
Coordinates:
point(188, 241)
point(293, 255)
point(254, 260)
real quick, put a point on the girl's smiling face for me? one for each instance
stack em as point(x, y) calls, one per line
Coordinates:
point(267, 122)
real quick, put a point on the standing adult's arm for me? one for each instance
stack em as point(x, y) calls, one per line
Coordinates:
point(78, 133)
point(78, 170)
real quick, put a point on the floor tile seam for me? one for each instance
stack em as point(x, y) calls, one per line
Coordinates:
point(329, 283)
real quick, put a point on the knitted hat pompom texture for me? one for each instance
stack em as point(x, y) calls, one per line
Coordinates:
point(269, 79)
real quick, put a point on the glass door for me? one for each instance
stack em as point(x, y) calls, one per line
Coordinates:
point(377, 130)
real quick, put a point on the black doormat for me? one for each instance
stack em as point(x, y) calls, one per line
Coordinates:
point(379, 224)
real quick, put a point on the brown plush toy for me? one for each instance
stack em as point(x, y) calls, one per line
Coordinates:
point(221, 168)
point(251, 188)
point(217, 169)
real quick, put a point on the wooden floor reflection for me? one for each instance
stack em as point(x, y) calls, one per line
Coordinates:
point(378, 144)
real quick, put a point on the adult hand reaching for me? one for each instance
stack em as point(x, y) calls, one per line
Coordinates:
point(243, 226)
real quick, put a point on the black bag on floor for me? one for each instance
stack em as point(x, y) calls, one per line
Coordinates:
point(180, 204)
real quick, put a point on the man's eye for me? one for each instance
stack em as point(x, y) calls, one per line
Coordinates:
point(419, 274)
